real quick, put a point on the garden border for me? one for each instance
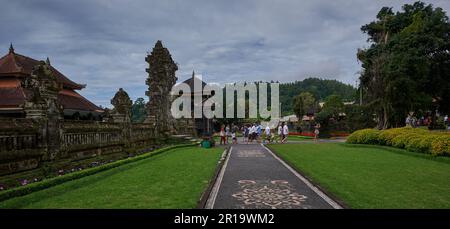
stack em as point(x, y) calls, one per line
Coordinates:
point(202, 203)
point(439, 158)
point(24, 190)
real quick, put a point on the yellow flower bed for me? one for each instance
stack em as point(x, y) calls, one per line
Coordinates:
point(413, 139)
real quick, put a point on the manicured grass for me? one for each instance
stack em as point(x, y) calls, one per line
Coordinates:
point(299, 137)
point(373, 177)
point(173, 179)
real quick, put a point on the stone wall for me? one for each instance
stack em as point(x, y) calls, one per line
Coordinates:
point(36, 147)
point(24, 146)
point(44, 144)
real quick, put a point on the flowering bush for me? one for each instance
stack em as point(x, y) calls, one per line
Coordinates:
point(421, 145)
point(365, 136)
point(440, 145)
point(412, 139)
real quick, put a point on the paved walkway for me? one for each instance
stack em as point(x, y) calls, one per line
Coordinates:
point(253, 177)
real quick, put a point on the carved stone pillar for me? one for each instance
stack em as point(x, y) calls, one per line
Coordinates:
point(122, 113)
point(161, 78)
point(43, 106)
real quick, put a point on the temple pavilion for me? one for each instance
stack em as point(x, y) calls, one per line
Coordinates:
point(15, 68)
point(198, 126)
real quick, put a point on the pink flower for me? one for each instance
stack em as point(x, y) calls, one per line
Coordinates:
point(24, 182)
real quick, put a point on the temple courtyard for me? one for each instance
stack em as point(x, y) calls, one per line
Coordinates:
point(302, 175)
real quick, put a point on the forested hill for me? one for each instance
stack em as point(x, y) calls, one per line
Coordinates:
point(320, 88)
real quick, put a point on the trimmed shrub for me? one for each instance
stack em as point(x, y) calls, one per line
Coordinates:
point(401, 140)
point(440, 145)
point(412, 139)
point(386, 136)
point(421, 145)
point(365, 136)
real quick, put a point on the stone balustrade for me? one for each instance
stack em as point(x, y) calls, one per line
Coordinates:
point(26, 145)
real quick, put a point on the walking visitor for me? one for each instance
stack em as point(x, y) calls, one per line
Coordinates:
point(285, 133)
point(222, 136)
point(268, 135)
point(316, 131)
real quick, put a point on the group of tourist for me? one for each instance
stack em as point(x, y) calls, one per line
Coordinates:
point(447, 122)
point(254, 132)
point(226, 133)
point(412, 121)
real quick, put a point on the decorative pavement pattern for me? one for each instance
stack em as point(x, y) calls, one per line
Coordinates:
point(269, 194)
point(254, 178)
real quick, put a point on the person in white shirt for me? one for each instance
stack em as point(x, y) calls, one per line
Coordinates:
point(227, 133)
point(267, 132)
point(233, 137)
point(280, 132)
point(285, 133)
point(250, 133)
point(255, 132)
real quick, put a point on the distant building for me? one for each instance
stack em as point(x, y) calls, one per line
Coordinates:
point(197, 126)
point(15, 68)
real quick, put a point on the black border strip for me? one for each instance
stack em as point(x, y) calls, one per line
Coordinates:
point(207, 193)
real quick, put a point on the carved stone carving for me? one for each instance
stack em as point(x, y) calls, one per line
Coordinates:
point(43, 88)
point(122, 106)
point(42, 105)
point(161, 78)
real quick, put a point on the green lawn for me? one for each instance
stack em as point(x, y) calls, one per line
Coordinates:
point(373, 177)
point(173, 179)
point(299, 138)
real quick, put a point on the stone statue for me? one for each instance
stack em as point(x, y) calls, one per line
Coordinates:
point(42, 105)
point(44, 89)
point(122, 106)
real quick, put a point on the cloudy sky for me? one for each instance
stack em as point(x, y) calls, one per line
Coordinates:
point(103, 43)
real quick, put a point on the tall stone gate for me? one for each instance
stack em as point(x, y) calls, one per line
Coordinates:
point(161, 78)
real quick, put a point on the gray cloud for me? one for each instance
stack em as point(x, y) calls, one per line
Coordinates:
point(103, 43)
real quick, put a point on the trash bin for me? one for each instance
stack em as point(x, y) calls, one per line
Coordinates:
point(206, 144)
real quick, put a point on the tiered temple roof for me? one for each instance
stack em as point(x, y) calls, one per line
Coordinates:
point(14, 68)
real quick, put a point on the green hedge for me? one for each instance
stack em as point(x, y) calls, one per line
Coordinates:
point(412, 139)
point(33, 187)
point(364, 136)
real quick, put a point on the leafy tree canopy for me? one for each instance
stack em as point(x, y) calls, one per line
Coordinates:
point(407, 67)
point(319, 88)
point(304, 104)
point(138, 112)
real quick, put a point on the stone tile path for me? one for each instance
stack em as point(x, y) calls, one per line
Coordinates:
point(255, 178)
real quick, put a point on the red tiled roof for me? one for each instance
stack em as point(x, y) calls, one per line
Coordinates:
point(72, 100)
point(13, 64)
point(14, 97)
point(9, 82)
point(11, 97)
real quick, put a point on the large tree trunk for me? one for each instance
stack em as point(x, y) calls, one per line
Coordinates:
point(386, 118)
point(433, 125)
point(383, 118)
point(380, 123)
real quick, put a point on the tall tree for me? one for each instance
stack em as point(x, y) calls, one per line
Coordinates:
point(138, 111)
point(330, 113)
point(303, 103)
point(406, 68)
point(333, 105)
